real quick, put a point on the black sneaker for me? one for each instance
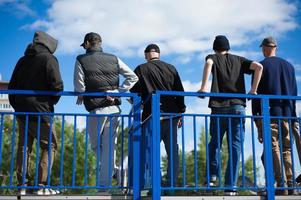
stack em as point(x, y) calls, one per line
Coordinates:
point(298, 179)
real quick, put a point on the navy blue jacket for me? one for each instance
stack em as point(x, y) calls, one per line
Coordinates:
point(278, 78)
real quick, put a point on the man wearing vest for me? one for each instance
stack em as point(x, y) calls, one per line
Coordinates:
point(96, 71)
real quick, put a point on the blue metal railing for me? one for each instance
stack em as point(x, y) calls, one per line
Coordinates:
point(158, 186)
point(78, 167)
point(147, 162)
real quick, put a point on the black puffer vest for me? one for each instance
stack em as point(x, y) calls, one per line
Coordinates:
point(101, 74)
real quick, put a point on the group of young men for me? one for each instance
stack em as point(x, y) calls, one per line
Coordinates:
point(97, 71)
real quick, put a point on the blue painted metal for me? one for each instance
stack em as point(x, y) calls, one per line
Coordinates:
point(98, 153)
point(183, 155)
point(1, 133)
point(86, 153)
point(207, 151)
point(281, 150)
point(74, 152)
point(122, 149)
point(50, 151)
point(291, 145)
point(219, 151)
point(171, 154)
point(267, 142)
point(156, 171)
point(12, 161)
point(38, 151)
point(230, 152)
point(242, 137)
point(110, 150)
point(136, 147)
point(62, 151)
point(152, 141)
point(253, 153)
point(25, 151)
point(195, 153)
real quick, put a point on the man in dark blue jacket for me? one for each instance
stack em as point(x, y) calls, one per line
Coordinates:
point(278, 78)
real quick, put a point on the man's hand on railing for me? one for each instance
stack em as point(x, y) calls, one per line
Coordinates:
point(251, 92)
point(110, 98)
point(79, 100)
point(180, 122)
point(202, 92)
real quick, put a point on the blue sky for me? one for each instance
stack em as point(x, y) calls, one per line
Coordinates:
point(184, 30)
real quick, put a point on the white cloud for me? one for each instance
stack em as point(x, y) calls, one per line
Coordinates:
point(179, 26)
point(190, 86)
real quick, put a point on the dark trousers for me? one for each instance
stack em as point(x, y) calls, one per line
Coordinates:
point(32, 133)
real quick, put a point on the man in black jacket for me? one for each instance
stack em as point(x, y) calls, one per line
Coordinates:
point(158, 75)
point(38, 69)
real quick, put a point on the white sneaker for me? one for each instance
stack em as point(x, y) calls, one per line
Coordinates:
point(22, 191)
point(47, 191)
point(231, 193)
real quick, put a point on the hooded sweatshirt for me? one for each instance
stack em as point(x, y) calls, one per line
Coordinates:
point(38, 69)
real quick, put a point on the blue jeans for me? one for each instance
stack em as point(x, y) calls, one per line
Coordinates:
point(218, 127)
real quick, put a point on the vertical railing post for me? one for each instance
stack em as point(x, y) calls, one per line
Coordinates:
point(156, 173)
point(267, 142)
point(136, 147)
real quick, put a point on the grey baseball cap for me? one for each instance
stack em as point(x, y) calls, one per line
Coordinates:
point(269, 42)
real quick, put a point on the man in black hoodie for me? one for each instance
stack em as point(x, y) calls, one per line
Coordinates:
point(38, 69)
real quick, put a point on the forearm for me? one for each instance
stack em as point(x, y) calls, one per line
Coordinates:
point(79, 77)
point(206, 74)
point(129, 75)
point(257, 76)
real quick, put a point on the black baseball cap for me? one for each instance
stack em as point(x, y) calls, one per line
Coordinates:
point(152, 47)
point(91, 37)
point(269, 42)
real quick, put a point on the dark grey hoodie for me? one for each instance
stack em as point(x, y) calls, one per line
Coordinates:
point(38, 69)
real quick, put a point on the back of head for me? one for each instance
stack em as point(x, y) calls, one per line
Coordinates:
point(269, 46)
point(93, 38)
point(221, 43)
point(269, 42)
point(152, 48)
point(152, 51)
point(40, 37)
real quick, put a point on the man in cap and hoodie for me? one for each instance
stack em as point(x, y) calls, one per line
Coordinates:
point(227, 77)
point(278, 78)
point(97, 71)
point(38, 69)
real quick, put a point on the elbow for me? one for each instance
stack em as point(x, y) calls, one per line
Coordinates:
point(135, 79)
point(258, 68)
